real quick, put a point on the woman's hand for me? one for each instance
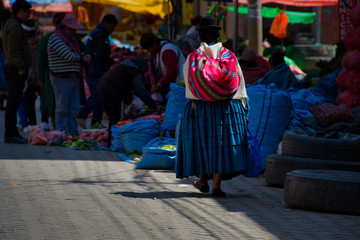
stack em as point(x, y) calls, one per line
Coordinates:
point(155, 88)
point(86, 58)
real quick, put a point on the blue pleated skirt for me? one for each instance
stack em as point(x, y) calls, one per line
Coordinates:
point(212, 138)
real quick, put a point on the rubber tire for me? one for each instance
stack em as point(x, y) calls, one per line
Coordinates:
point(278, 165)
point(323, 190)
point(323, 148)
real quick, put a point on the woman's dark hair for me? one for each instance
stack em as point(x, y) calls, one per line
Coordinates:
point(20, 5)
point(147, 40)
point(109, 19)
point(276, 58)
point(209, 35)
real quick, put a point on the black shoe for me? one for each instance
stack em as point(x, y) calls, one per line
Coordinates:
point(19, 136)
point(202, 188)
point(216, 192)
point(15, 139)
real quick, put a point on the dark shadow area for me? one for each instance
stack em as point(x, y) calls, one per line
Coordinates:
point(169, 194)
point(38, 152)
point(162, 195)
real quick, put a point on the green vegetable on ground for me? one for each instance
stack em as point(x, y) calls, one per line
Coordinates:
point(134, 152)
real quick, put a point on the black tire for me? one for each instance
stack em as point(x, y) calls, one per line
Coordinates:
point(294, 144)
point(323, 190)
point(278, 165)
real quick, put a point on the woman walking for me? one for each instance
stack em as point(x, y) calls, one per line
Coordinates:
point(212, 137)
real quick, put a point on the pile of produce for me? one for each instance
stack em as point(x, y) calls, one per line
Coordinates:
point(90, 140)
point(80, 144)
point(99, 136)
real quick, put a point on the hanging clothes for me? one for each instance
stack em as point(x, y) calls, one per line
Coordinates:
point(279, 25)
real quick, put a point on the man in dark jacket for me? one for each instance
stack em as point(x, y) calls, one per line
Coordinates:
point(98, 46)
point(119, 83)
point(18, 61)
point(279, 73)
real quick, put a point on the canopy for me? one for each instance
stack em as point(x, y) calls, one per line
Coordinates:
point(266, 12)
point(298, 3)
point(154, 7)
point(46, 5)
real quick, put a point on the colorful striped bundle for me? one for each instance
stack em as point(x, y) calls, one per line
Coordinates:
point(213, 79)
point(328, 113)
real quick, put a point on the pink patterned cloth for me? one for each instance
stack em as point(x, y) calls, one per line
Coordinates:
point(213, 79)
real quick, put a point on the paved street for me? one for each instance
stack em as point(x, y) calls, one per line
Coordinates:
point(60, 193)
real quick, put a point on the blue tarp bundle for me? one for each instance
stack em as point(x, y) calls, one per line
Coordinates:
point(327, 86)
point(174, 107)
point(302, 100)
point(136, 135)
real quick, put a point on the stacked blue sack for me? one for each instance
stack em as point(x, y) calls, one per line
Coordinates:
point(174, 108)
point(270, 114)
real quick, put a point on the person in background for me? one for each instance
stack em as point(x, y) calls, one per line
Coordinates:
point(47, 95)
point(119, 83)
point(253, 67)
point(99, 48)
point(166, 62)
point(195, 22)
point(65, 62)
point(4, 16)
point(190, 41)
point(26, 112)
point(279, 73)
point(212, 136)
point(18, 61)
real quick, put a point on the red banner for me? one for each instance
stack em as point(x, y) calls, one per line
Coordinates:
point(345, 25)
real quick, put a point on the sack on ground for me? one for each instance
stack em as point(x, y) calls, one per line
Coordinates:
point(136, 135)
point(159, 153)
point(116, 143)
point(270, 115)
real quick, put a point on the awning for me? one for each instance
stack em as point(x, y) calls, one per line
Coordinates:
point(46, 5)
point(297, 3)
point(266, 12)
point(154, 7)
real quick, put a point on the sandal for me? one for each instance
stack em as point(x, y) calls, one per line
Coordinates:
point(216, 192)
point(202, 188)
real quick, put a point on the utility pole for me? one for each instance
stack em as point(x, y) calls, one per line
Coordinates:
point(255, 31)
point(236, 26)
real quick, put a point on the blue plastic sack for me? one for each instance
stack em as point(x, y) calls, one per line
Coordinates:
point(174, 107)
point(156, 157)
point(254, 162)
point(302, 100)
point(136, 135)
point(269, 116)
point(116, 143)
point(327, 86)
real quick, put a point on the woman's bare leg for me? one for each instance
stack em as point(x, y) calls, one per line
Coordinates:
point(217, 180)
